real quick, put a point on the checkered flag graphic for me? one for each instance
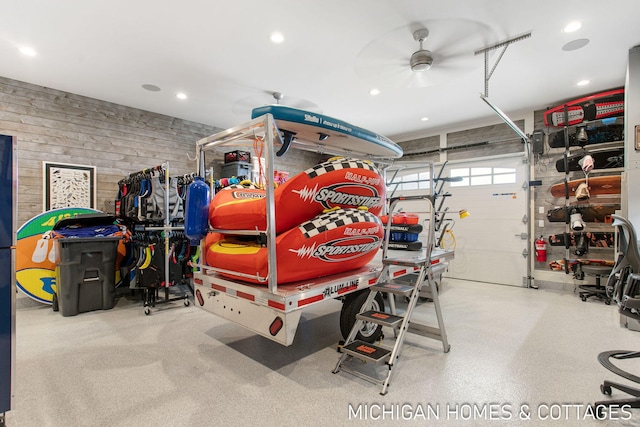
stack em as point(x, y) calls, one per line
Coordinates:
point(334, 219)
point(251, 186)
point(342, 163)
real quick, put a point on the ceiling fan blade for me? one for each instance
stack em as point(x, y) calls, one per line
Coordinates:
point(452, 43)
point(244, 106)
point(372, 70)
point(380, 58)
point(422, 79)
point(458, 37)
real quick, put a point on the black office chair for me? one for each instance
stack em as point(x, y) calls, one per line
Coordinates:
point(597, 290)
point(623, 286)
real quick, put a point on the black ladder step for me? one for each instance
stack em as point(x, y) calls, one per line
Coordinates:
point(394, 288)
point(368, 352)
point(380, 318)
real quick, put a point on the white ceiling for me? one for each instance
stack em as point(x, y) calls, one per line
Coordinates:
point(335, 51)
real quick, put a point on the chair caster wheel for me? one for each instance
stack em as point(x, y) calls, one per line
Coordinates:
point(605, 389)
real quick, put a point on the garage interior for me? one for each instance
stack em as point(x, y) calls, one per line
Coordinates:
point(100, 89)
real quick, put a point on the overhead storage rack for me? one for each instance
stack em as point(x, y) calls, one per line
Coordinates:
point(273, 309)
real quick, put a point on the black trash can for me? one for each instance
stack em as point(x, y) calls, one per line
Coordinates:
point(85, 268)
point(85, 275)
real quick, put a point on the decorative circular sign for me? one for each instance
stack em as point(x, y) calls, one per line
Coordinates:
point(35, 253)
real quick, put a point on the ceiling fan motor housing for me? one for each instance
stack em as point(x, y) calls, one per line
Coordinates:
point(421, 60)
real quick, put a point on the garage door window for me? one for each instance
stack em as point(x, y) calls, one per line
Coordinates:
point(414, 181)
point(483, 176)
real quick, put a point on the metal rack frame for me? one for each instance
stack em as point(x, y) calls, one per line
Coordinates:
point(150, 300)
point(274, 310)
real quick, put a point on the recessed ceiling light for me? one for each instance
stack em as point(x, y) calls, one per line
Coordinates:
point(277, 37)
point(583, 82)
point(181, 95)
point(27, 51)
point(374, 92)
point(424, 119)
point(151, 88)
point(572, 26)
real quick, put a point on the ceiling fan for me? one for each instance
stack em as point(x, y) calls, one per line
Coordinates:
point(445, 52)
point(421, 59)
point(244, 106)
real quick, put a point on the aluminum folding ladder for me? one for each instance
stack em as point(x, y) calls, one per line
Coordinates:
point(401, 324)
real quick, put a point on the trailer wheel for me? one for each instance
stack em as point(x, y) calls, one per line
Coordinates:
point(370, 332)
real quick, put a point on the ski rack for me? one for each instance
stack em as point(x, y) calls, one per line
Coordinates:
point(388, 284)
point(438, 183)
point(273, 310)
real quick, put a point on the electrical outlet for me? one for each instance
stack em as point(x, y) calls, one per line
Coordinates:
point(541, 209)
point(541, 223)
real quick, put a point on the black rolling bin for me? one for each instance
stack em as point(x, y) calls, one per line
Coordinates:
point(85, 266)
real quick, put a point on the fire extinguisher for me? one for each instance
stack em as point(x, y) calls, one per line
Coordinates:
point(541, 250)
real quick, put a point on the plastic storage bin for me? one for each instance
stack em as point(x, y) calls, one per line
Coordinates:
point(237, 156)
point(85, 274)
point(236, 169)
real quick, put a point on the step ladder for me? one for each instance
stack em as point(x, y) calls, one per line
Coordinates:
point(401, 324)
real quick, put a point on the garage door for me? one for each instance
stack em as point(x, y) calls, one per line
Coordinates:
point(489, 243)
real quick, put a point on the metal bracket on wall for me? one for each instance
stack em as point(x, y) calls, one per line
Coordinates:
point(504, 45)
point(487, 75)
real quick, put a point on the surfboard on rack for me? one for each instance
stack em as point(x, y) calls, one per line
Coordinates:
point(593, 107)
point(602, 159)
point(594, 239)
point(571, 264)
point(318, 131)
point(590, 213)
point(609, 130)
point(597, 185)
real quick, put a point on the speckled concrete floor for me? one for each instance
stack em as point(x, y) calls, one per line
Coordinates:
point(515, 353)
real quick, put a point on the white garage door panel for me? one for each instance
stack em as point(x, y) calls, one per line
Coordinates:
point(488, 243)
point(489, 235)
point(496, 267)
point(494, 227)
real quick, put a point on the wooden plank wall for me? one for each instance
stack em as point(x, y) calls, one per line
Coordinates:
point(56, 126)
point(497, 139)
point(61, 127)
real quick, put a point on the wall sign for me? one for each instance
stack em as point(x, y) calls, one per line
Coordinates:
point(35, 253)
point(68, 186)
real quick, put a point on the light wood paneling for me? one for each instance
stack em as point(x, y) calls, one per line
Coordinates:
point(52, 125)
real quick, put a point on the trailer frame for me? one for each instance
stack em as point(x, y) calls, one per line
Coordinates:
point(273, 310)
